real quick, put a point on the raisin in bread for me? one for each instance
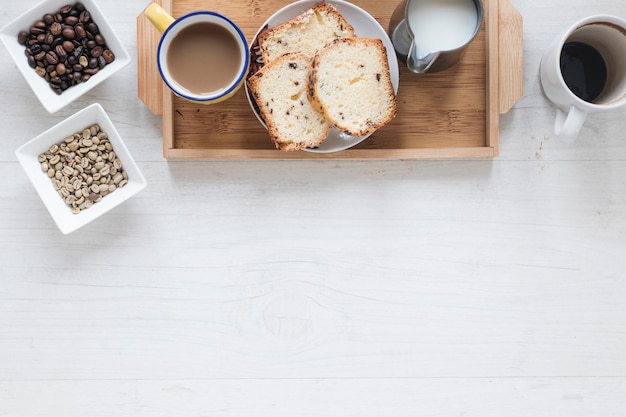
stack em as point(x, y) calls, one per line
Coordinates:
point(349, 81)
point(306, 33)
point(279, 89)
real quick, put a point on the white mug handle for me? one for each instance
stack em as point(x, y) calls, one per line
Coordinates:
point(569, 123)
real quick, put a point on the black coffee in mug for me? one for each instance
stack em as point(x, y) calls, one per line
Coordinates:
point(584, 70)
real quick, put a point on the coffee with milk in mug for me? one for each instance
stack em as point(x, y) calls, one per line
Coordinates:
point(204, 57)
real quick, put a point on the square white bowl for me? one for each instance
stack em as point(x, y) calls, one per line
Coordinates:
point(48, 98)
point(61, 213)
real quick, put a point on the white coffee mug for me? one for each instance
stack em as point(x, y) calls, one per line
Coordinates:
point(584, 71)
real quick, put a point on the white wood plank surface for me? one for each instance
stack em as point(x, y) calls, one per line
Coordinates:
point(339, 288)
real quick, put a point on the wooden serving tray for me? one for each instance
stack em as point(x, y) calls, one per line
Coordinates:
point(451, 114)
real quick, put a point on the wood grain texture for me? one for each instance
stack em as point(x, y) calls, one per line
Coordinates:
point(451, 114)
point(485, 397)
point(149, 84)
point(511, 56)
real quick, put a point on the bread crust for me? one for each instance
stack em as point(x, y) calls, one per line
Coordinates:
point(293, 36)
point(337, 96)
point(279, 89)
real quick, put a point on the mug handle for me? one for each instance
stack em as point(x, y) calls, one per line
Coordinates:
point(569, 123)
point(159, 17)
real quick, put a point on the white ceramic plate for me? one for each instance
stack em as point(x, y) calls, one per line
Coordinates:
point(48, 98)
point(61, 212)
point(366, 27)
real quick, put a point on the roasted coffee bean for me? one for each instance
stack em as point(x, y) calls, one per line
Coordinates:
point(48, 19)
point(52, 58)
point(22, 37)
point(71, 20)
point(40, 56)
point(36, 31)
point(79, 51)
point(108, 55)
point(61, 69)
point(56, 28)
point(58, 40)
point(65, 10)
point(99, 39)
point(93, 28)
point(68, 33)
point(85, 16)
point(81, 33)
point(35, 49)
point(61, 52)
point(97, 52)
point(68, 46)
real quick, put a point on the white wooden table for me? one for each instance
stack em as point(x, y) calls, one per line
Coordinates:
point(379, 288)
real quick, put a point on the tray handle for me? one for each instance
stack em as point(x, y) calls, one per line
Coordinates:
point(149, 84)
point(511, 57)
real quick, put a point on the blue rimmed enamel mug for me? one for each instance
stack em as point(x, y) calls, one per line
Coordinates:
point(170, 28)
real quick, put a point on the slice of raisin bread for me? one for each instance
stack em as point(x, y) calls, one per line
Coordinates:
point(349, 81)
point(279, 89)
point(306, 33)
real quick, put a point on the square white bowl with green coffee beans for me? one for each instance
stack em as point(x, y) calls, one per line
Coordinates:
point(64, 49)
point(81, 168)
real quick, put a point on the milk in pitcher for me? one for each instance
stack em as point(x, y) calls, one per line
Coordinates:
point(441, 25)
